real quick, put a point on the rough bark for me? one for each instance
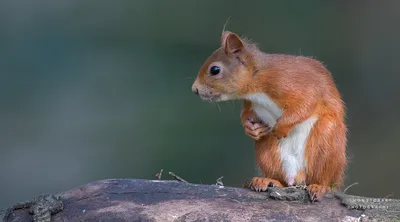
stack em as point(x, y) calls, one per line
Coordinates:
point(164, 200)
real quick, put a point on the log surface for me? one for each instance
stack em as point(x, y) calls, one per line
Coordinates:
point(164, 200)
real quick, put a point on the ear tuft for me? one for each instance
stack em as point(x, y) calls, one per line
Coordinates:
point(231, 42)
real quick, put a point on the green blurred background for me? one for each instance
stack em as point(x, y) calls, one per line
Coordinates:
point(94, 89)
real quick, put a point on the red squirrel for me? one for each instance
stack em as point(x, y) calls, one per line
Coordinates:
point(292, 109)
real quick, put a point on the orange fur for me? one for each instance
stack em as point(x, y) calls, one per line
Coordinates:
point(302, 87)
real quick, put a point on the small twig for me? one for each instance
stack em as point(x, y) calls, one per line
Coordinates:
point(158, 175)
point(178, 178)
point(388, 196)
point(349, 187)
point(219, 181)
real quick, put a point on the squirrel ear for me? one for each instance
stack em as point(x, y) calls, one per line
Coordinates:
point(231, 42)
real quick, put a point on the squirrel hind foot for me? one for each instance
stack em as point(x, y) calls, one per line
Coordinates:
point(317, 192)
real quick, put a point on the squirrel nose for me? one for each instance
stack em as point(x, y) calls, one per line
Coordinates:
point(196, 91)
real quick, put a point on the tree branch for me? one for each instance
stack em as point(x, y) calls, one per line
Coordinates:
point(165, 200)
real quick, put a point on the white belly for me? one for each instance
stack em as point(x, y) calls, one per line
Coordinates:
point(265, 108)
point(291, 148)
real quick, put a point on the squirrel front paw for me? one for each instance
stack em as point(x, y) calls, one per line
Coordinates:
point(256, 130)
point(261, 184)
point(280, 132)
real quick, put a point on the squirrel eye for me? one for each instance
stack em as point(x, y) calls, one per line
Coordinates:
point(215, 70)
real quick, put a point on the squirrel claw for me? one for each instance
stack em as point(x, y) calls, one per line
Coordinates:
point(316, 192)
point(314, 197)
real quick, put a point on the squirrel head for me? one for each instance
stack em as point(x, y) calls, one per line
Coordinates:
point(227, 72)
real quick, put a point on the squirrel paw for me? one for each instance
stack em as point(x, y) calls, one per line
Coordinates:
point(281, 132)
point(316, 191)
point(256, 130)
point(261, 183)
